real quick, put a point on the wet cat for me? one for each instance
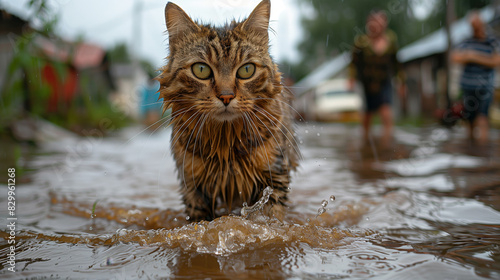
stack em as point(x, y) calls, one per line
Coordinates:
point(232, 124)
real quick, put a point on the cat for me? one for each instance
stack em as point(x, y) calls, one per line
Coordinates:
point(232, 121)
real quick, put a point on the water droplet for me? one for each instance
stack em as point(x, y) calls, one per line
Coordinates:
point(187, 218)
point(332, 198)
point(175, 219)
point(318, 134)
point(324, 203)
point(109, 261)
point(307, 131)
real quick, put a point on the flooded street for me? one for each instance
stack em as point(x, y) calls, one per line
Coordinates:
point(425, 205)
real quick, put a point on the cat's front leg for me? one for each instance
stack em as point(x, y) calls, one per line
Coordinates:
point(198, 205)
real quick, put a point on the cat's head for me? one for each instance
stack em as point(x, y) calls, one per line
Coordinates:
point(223, 73)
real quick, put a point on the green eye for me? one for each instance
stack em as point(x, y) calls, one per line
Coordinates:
point(246, 71)
point(201, 71)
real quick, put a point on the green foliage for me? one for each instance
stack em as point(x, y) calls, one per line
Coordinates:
point(26, 92)
point(119, 54)
point(148, 68)
point(331, 25)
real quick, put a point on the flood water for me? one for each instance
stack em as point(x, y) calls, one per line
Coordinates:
point(423, 206)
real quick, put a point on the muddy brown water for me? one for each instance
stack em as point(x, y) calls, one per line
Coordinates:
point(423, 206)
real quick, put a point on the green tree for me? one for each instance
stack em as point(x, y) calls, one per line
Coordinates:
point(331, 25)
point(120, 53)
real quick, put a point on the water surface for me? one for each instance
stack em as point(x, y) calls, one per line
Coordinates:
point(422, 206)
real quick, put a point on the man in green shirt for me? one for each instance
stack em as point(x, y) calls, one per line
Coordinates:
point(374, 63)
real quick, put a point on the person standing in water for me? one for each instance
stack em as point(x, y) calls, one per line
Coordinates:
point(479, 55)
point(374, 63)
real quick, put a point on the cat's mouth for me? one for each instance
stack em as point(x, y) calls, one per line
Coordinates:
point(228, 113)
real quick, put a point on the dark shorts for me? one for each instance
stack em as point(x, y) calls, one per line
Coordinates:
point(373, 100)
point(476, 102)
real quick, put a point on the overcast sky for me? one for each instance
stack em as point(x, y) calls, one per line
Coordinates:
point(108, 22)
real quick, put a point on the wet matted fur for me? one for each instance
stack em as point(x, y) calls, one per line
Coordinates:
point(232, 123)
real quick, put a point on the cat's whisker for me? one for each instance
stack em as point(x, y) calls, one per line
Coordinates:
point(272, 134)
point(176, 134)
point(283, 102)
point(184, 127)
point(286, 87)
point(152, 103)
point(264, 146)
point(186, 150)
point(180, 100)
point(176, 114)
point(180, 113)
point(248, 133)
point(187, 147)
point(204, 116)
point(183, 111)
point(267, 114)
point(159, 126)
point(146, 128)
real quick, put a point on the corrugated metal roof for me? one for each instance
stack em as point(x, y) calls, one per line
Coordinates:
point(433, 43)
point(324, 72)
point(436, 42)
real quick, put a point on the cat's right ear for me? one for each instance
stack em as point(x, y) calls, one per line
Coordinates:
point(178, 23)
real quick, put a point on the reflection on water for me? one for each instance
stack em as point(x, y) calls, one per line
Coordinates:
point(423, 205)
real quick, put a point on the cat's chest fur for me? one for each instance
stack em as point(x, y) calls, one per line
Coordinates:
point(232, 127)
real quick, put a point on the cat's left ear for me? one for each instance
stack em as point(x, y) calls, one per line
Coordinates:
point(258, 21)
point(178, 23)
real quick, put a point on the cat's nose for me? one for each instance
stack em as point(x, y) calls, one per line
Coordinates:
point(226, 97)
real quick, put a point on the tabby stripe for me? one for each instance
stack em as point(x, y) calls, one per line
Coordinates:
point(234, 49)
point(213, 53)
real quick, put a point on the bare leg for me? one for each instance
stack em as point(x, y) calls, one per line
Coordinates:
point(367, 119)
point(482, 125)
point(386, 115)
point(470, 129)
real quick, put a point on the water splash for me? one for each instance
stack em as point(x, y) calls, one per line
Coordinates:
point(222, 237)
point(259, 205)
point(322, 209)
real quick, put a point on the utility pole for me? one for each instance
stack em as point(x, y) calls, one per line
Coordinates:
point(137, 27)
point(450, 18)
point(135, 53)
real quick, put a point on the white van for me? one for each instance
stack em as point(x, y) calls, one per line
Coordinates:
point(334, 102)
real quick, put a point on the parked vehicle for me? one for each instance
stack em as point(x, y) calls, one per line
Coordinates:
point(334, 102)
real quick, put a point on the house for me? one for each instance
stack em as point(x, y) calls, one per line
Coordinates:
point(305, 90)
point(423, 62)
point(11, 27)
point(82, 62)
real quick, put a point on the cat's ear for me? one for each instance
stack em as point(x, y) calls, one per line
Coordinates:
point(178, 22)
point(258, 21)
